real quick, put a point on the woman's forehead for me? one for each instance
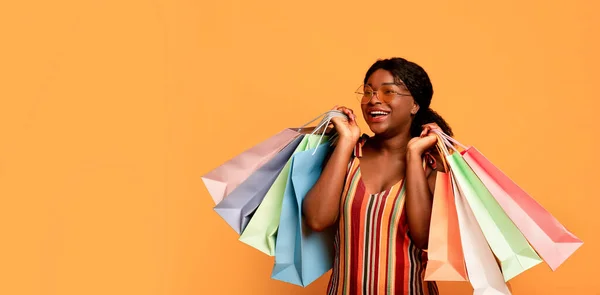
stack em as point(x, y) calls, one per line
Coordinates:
point(383, 77)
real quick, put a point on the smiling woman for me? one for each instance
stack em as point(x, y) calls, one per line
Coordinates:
point(382, 201)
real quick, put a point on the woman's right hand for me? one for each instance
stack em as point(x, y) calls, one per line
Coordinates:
point(348, 130)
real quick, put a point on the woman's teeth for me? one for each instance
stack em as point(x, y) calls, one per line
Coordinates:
point(378, 113)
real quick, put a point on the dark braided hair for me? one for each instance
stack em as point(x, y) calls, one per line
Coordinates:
point(417, 81)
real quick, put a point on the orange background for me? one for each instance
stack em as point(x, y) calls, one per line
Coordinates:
point(110, 111)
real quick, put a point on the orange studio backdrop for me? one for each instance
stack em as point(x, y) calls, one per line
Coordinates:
point(110, 111)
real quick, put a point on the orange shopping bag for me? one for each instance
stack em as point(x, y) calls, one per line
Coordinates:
point(446, 261)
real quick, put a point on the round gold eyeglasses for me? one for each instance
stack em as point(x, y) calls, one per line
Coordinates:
point(386, 93)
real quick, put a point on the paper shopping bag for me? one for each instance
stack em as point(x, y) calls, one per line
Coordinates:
point(445, 254)
point(482, 269)
point(507, 242)
point(238, 207)
point(302, 255)
point(262, 228)
point(552, 241)
point(260, 232)
point(222, 180)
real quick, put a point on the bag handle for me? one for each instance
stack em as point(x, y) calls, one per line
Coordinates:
point(448, 142)
point(442, 150)
point(444, 141)
point(327, 117)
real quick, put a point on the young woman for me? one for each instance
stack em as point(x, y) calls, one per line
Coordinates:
point(378, 190)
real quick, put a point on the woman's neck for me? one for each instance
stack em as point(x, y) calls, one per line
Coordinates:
point(394, 145)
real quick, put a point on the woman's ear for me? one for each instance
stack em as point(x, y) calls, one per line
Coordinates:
point(415, 109)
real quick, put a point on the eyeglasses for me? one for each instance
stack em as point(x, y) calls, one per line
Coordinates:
point(386, 93)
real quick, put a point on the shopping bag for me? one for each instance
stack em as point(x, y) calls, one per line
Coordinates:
point(482, 269)
point(302, 255)
point(506, 241)
point(238, 207)
point(552, 241)
point(262, 228)
point(222, 180)
point(445, 259)
point(260, 231)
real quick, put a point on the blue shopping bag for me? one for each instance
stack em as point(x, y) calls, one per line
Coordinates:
point(302, 255)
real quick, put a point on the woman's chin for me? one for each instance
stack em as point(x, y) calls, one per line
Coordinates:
point(378, 128)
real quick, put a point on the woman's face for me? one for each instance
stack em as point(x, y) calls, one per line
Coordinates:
point(392, 117)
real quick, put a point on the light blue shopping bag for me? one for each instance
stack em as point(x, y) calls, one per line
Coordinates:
point(302, 255)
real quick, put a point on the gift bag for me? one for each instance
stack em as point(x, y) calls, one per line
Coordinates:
point(222, 180)
point(262, 228)
point(552, 241)
point(302, 255)
point(445, 259)
point(506, 241)
point(484, 273)
point(238, 207)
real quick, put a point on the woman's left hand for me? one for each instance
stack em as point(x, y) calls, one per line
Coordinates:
point(427, 139)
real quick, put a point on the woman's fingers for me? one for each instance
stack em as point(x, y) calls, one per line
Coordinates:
point(425, 131)
point(429, 127)
point(348, 112)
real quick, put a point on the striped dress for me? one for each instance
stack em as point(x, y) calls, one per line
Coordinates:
point(373, 253)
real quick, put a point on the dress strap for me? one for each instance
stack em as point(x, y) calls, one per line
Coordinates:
point(358, 147)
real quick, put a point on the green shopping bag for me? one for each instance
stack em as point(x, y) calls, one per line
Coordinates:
point(504, 238)
point(261, 231)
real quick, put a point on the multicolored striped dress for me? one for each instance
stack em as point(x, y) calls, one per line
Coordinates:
point(373, 253)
